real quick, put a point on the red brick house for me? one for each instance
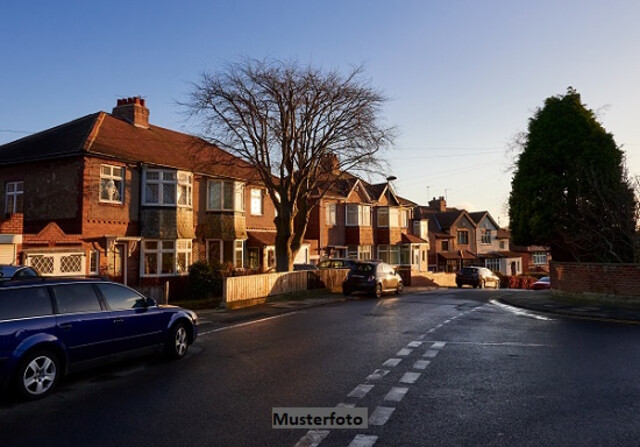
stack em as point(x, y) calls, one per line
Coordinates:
point(359, 220)
point(112, 195)
point(452, 236)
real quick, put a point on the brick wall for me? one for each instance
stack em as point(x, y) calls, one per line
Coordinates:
point(603, 280)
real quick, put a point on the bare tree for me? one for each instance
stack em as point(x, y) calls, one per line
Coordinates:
point(301, 128)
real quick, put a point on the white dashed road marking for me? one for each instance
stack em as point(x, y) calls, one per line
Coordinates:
point(378, 374)
point(410, 377)
point(431, 353)
point(421, 364)
point(380, 415)
point(392, 363)
point(396, 394)
point(363, 441)
point(313, 438)
point(343, 405)
point(438, 345)
point(360, 391)
point(414, 344)
point(404, 352)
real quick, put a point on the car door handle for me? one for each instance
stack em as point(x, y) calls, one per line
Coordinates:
point(65, 326)
point(118, 321)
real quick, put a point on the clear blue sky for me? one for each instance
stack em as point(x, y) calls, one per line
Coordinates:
point(463, 77)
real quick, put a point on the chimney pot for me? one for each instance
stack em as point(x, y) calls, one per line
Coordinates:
point(142, 101)
point(132, 110)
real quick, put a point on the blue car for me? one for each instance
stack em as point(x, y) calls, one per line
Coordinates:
point(49, 327)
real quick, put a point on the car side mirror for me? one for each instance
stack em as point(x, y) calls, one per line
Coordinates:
point(151, 302)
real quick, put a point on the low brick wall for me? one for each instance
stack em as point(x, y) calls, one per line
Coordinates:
point(439, 279)
point(597, 281)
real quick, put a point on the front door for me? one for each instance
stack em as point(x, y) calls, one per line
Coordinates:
point(117, 263)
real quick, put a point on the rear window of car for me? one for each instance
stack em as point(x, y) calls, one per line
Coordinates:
point(74, 298)
point(362, 268)
point(24, 302)
point(120, 297)
point(467, 270)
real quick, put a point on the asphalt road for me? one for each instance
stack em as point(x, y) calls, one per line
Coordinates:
point(467, 372)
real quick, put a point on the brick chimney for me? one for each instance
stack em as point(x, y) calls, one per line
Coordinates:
point(330, 163)
point(133, 111)
point(438, 204)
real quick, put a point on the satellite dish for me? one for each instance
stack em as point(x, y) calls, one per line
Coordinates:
point(392, 178)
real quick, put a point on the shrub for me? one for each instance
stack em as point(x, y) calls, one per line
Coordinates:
point(205, 280)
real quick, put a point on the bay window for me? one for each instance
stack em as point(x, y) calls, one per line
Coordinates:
point(166, 257)
point(358, 215)
point(383, 217)
point(225, 195)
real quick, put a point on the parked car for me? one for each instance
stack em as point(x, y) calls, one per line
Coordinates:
point(477, 277)
point(542, 283)
point(17, 272)
point(373, 277)
point(51, 326)
point(336, 263)
point(301, 267)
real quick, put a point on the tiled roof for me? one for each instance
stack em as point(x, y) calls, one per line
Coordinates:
point(503, 234)
point(477, 216)
point(261, 238)
point(104, 135)
point(460, 254)
point(412, 239)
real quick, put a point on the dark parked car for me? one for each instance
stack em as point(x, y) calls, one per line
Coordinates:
point(372, 277)
point(17, 272)
point(477, 277)
point(301, 267)
point(336, 263)
point(49, 327)
point(542, 283)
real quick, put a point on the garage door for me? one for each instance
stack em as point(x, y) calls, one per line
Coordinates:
point(7, 253)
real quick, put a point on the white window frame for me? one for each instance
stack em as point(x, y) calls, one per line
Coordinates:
point(257, 202)
point(56, 260)
point(492, 264)
point(539, 257)
point(184, 189)
point(351, 215)
point(94, 258)
point(162, 181)
point(178, 246)
point(118, 182)
point(237, 195)
point(238, 248)
point(331, 214)
point(460, 232)
point(485, 236)
point(13, 190)
point(404, 218)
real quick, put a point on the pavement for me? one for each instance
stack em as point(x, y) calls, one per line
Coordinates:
point(542, 301)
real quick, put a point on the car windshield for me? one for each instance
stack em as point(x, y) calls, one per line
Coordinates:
point(545, 279)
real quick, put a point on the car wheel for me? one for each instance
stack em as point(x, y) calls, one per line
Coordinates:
point(346, 291)
point(38, 374)
point(483, 284)
point(497, 285)
point(459, 285)
point(178, 341)
point(377, 292)
point(400, 288)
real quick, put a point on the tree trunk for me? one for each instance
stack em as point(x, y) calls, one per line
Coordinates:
point(284, 257)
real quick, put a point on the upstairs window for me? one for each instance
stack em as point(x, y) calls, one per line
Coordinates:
point(223, 195)
point(160, 187)
point(331, 214)
point(185, 188)
point(383, 217)
point(463, 237)
point(444, 245)
point(358, 215)
point(485, 236)
point(404, 218)
point(13, 197)
point(256, 202)
point(111, 184)
point(539, 257)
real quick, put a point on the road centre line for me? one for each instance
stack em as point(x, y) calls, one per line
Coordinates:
point(410, 377)
point(360, 391)
point(247, 323)
point(313, 438)
point(392, 362)
point(378, 374)
point(363, 441)
point(381, 415)
point(396, 394)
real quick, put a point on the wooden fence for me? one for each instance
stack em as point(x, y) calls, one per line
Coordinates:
point(242, 291)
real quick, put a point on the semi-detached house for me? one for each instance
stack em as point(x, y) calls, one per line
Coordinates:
point(110, 194)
